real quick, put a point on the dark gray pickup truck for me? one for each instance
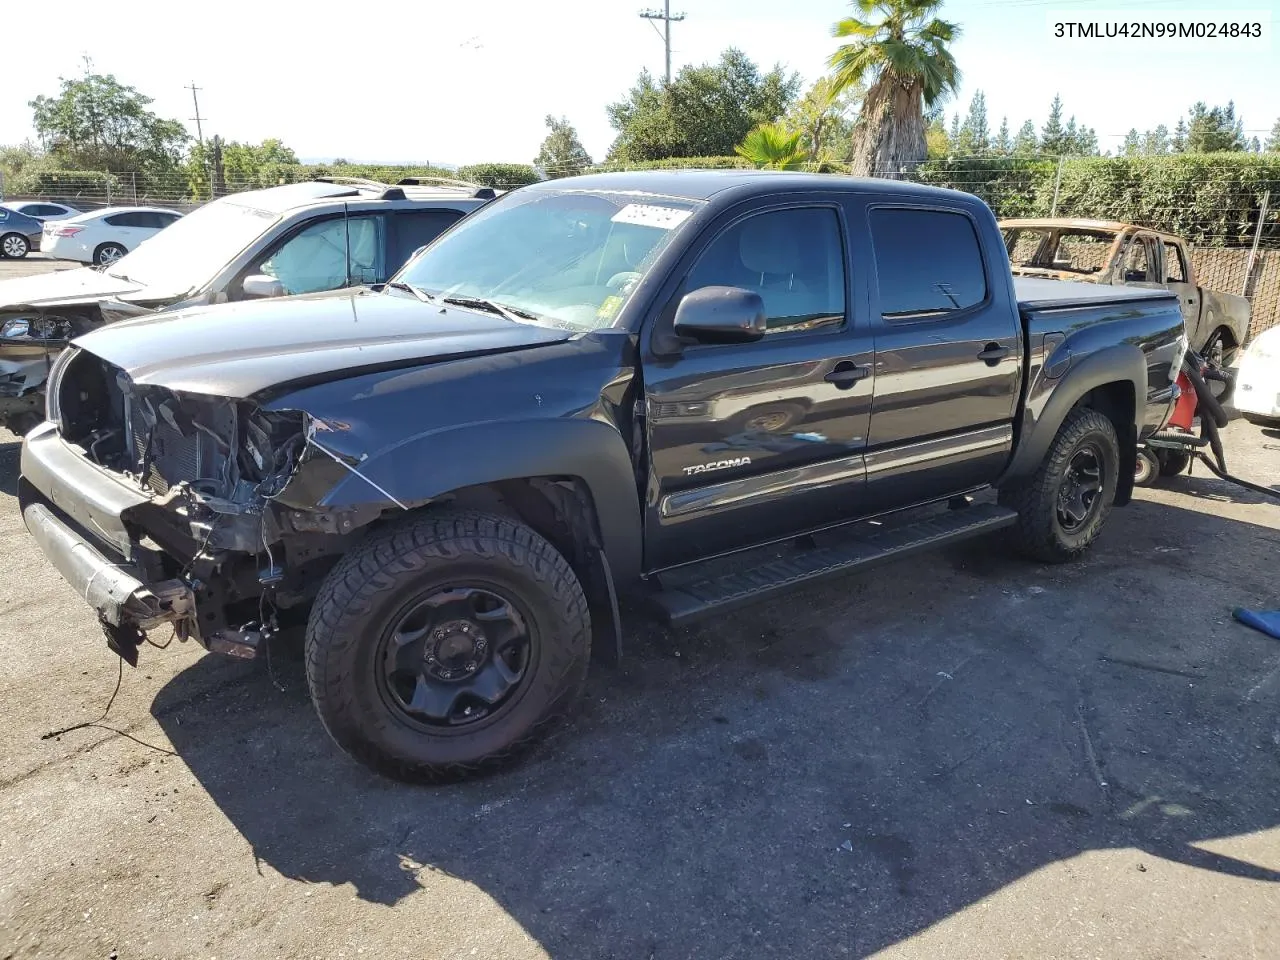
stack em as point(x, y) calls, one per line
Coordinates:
point(690, 387)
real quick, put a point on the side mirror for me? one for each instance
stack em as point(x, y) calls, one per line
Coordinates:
point(260, 286)
point(721, 315)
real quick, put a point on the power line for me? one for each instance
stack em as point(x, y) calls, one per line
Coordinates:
point(667, 18)
point(197, 118)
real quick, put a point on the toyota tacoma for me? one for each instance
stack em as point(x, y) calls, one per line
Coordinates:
point(695, 388)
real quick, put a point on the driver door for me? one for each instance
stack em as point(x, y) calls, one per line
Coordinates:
point(327, 254)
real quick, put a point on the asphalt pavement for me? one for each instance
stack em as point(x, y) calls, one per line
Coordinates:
point(964, 755)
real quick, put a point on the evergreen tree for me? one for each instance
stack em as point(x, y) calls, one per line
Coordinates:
point(1025, 144)
point(1132, 145)
point(1052, 136)
point(1273, 141)
point(975, 134)
point(1155, 142)
point(1002, 144)
point(1179, 142)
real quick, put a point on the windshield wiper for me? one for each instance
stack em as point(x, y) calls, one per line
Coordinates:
point(416, 291)
point(510, 313)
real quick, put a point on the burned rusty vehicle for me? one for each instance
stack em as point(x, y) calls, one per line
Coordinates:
point(695, 389)
point(1106, 251)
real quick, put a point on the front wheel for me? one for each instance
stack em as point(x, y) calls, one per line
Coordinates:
point(1063, 505)
point(446, 645)
point(14, 246)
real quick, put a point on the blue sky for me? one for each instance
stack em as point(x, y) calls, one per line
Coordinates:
point(465, 82)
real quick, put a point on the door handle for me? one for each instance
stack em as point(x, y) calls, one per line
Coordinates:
point(846, 374)
point(993, 354)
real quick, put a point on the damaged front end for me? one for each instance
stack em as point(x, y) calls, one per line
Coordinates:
point(191, 510)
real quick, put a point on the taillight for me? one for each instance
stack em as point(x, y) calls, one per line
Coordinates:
point(64, 231)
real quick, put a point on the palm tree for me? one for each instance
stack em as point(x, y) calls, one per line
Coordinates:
point(771, 146)
point(904, 54)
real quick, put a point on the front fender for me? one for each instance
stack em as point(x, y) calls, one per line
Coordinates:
point(430, 465)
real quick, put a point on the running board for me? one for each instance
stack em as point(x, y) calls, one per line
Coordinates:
point(686, 603)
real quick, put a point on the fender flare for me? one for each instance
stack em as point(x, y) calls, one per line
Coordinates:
point(1120, 363)
point(429, 466)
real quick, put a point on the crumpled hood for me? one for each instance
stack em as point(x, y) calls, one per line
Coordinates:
point(241, 349)
point(63, 286)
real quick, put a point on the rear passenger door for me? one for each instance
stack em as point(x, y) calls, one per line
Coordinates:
point(948, 354)
point(127, 229)
point(750, 442)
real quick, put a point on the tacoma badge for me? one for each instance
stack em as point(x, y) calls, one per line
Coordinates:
point(716, 465)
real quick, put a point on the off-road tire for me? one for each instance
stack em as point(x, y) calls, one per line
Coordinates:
point(363, 594)
point(1038, 534)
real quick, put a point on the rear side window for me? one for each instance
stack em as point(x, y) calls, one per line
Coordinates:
point(417, 228)
point(928, 263)
point(1174, 270)
point(127, 220)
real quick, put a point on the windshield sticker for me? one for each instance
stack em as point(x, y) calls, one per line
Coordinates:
point(650, 215)
point(609, 309)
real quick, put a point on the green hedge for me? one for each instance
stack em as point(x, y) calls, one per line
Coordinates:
point(62, 183)
point(1212, 199)
point(503, 175)
point(678, 163)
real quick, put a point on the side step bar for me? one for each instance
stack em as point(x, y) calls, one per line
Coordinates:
point(687, 603)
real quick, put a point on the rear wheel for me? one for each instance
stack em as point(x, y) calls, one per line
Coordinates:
point(447, 645)
point(1064, 504)
point(14, 246)
point(107, 253)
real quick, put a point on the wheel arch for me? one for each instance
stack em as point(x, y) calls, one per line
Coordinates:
point(1110, 381)
point(572, 481)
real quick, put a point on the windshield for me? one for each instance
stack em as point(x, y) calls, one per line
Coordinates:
point(1073, 250)
point(567, 259)
point(187, 254)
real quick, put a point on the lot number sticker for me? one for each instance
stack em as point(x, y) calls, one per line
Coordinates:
point(650, 215)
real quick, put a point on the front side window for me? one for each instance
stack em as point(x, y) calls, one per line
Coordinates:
point(568, 258)
point(1174, 270)
point(928, 263)
point(315, 258)
point(793, 258)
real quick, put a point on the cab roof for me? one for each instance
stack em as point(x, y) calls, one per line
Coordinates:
point(705, 184)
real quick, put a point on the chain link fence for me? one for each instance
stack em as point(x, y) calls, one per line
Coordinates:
point(1227, 207)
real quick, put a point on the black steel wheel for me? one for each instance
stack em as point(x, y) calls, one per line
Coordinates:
point(455, 656)
point(1080, 489)
point(446, 645)
point(1064, 504)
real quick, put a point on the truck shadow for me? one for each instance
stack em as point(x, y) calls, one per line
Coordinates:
point(842, 769)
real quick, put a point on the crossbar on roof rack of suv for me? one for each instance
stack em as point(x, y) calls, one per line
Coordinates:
point(396, 191)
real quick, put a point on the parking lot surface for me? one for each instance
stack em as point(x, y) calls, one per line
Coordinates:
point(963, 755)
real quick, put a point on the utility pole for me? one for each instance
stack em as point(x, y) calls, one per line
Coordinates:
point(667, 18)
point(197, 118)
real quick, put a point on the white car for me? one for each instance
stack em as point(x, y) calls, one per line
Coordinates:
point(1257, 393)
point(42, 209)
point(104, 236)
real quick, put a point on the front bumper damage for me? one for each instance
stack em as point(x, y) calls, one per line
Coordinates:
point(214, 570)
point(126, 606)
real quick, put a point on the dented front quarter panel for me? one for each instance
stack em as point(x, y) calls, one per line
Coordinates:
point(408, 437)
